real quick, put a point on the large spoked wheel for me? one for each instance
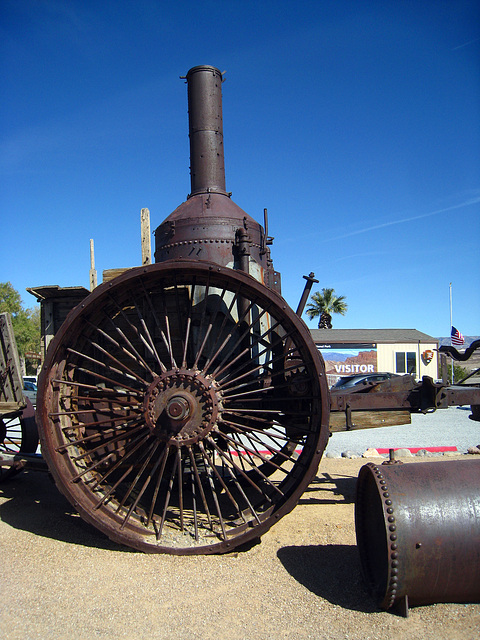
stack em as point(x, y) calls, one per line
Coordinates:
point(18, 434)
point(183, 408)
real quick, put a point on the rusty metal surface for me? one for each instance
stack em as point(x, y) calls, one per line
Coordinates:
point(209, 225)
point(418, 532)
point(456, 355)
point(207, 166)
point(403, 393)
point(183, 408)
point(205, 228)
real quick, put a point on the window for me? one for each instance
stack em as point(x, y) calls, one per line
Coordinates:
point(406, 362)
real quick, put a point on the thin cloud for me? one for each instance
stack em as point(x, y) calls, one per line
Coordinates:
point(466, 203)
point(367, 254)
point(466, 44)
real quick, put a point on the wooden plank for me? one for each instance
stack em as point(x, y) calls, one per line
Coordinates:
point(10, 407)
point(11, 387)
point(110, 274)
point(368, 419)
point(92, 276)
point(145, 237)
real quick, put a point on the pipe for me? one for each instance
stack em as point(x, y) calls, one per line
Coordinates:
point(207, 165)
point(418, 532)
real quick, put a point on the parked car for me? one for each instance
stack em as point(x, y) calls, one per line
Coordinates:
point(30, 391)
point(347, 382)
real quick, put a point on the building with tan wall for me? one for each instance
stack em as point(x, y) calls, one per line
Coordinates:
point(350, 351)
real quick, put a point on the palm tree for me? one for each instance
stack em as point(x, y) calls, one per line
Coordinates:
point(323, 305)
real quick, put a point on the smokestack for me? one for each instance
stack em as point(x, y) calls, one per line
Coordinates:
point(209, 225)
point(207, 166)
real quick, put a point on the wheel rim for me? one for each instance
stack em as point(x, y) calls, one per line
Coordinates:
point(18, 434)
point(183, 408)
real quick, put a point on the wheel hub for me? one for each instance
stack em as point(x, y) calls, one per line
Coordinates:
point(181, 406)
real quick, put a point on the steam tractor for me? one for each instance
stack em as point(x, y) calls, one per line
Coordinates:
point(183, 406)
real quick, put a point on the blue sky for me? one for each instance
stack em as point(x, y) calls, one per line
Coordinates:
point(356, 124)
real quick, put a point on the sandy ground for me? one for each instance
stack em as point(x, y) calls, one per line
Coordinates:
point(63, 579)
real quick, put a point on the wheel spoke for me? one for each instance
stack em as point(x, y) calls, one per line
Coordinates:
point(109, 442)
point(114, 383)
point(247, 428)
point(220, 480)
point(244, 454)
point(253, 439)
point(133, 506)
point(239, 486)
point(157, 485)
point(199, 484)
point(129, 373)
point(180, 486)
point(215, 350)
point(167, 496)
point(227, 456)
point(255, 452)
point(214, 494)
point(189, 318)
point(123, 350)
point(138, 442)
point(131, 348)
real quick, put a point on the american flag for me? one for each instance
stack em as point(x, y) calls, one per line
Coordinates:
point(457, 337)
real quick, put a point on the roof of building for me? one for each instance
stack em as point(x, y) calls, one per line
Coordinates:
point(355, 336)
point(48, 291)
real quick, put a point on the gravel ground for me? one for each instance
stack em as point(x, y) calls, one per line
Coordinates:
point(63, 579)
point(445, 427)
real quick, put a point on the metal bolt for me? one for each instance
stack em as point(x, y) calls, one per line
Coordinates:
point(178, 408)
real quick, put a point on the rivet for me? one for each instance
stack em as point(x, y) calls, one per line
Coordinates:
point(393, 536)
point(394, 572)
point(391, 518)
point(390, 510)
point(386, 495)
point(388, 502)
point(392, 527)
point(394, 546)
point(394, 563)
point(394, 554)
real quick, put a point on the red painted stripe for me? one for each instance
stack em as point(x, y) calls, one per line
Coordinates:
point(263, 453)
point(416, 449)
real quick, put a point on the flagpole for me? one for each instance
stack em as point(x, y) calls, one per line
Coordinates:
point(451, 315)
point(451, 325)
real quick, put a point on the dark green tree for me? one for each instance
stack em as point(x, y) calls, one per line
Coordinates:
point(10, 299)
point(25, 322)
point(324, 305)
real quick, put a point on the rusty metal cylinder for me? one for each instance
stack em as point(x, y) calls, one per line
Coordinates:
point(207, 166)
point(418, 531)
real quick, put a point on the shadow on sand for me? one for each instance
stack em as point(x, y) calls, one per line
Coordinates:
point(33, 503)
point(331, 572)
